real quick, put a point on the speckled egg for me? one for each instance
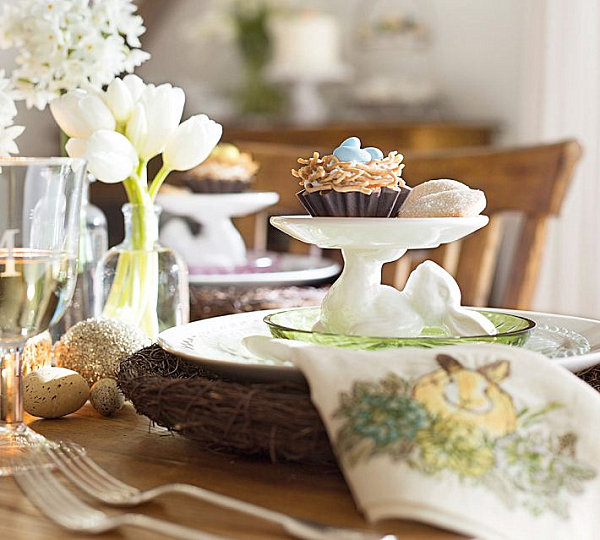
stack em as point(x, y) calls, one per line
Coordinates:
point(52, 392)
point(106, 397)
point(94, 348)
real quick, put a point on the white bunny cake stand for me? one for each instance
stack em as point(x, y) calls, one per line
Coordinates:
point(219, 243)
point(366, 244)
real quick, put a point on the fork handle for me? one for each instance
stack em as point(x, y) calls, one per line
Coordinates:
point(298, 528)
point(167, 528)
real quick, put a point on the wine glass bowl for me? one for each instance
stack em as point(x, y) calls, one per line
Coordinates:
point(40, 200)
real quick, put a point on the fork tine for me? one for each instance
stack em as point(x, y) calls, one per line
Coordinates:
point(46, 479)
point(50, 496)
point(70, 464)
point(92, 468)
point(59, 504)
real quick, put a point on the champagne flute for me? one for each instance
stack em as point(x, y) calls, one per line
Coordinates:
point(40, 200)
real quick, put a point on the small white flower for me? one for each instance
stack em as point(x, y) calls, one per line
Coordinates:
point(8, 132)
point(64, 44)
point(7, 140)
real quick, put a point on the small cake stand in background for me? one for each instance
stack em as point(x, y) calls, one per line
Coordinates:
point(306, 55)
point(219, 264)
point(218, 244)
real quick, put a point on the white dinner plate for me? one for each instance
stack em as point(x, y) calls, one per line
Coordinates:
point(216, 343)
point(274, 269)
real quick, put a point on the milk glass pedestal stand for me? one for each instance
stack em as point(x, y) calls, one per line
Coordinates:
point(219, 244)
point(368, 243)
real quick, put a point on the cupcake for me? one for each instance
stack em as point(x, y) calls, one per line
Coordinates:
point(352, 182)
point(226, 170)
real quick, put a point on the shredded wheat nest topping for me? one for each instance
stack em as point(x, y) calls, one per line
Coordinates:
point(326, 173)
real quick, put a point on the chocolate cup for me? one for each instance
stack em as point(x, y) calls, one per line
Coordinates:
point(383, 203)
point(210, 185)
point(404, 191)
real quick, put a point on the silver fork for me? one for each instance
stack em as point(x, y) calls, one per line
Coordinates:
point(87, 475)
point(60, 505)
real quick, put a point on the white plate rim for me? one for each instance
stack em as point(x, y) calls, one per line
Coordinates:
point(329, 269)
point(272, 372)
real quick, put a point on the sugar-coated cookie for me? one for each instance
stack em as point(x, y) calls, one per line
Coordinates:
point(443, 198)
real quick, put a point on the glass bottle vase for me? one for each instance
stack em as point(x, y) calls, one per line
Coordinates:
point(140, 281)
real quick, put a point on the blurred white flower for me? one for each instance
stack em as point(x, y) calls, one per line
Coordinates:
point(79, 113)
point(8, 132)
point(191, 142)
point(154, 118)
point(66, 44)
point(7, 140)
point(111, 157)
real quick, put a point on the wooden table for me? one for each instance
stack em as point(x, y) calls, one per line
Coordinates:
point(143, 455)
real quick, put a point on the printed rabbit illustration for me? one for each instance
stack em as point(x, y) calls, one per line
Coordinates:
point(469, 395)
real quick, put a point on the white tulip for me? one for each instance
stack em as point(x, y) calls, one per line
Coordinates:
point(191, 142)
point(135, 85)
point(111, 157)
point(119, 100)
point(137, 126)
point(76, 148)
point(154, 118)
point(79, 114)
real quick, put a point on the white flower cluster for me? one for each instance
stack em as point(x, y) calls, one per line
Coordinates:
point(119, 130)
point(8, 111)
point(67, 44)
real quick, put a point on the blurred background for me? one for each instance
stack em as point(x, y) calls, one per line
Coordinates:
point(419, 75)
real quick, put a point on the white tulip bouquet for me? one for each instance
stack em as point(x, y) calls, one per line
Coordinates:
point(118, 131)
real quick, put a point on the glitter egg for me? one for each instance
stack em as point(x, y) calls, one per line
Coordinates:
point(95, 347)
point(106, 397)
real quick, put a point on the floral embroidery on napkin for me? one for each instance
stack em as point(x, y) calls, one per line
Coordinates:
point(461, 421)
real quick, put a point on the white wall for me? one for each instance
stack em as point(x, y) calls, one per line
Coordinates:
point(476, 55)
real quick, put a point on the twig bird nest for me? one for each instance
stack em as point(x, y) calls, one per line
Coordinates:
point(277, 420)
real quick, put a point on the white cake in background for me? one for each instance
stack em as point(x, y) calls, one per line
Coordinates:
point(306, 46)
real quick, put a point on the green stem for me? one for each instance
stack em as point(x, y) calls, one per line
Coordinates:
point(158, 181)
point(133, 293)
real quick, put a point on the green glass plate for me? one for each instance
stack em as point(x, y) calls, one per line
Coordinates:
point(297, 323)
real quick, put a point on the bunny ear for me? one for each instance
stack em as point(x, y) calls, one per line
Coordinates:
point(465, 322)
point(448, 363)
point(496, 371)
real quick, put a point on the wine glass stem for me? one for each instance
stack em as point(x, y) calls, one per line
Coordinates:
point(11, 387)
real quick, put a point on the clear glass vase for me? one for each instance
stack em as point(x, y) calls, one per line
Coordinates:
point(93, 244)
point(140, 281)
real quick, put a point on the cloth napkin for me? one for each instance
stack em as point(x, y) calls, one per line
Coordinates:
point(491, 441)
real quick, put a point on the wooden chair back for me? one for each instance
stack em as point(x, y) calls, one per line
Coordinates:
point(276, 162)
point(531, 181)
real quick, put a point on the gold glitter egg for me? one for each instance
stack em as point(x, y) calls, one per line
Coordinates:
point(106, 397)
point(95, 347)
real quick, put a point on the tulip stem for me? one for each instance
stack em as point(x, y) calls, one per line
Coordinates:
point(158, 181)
point(133, 294)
